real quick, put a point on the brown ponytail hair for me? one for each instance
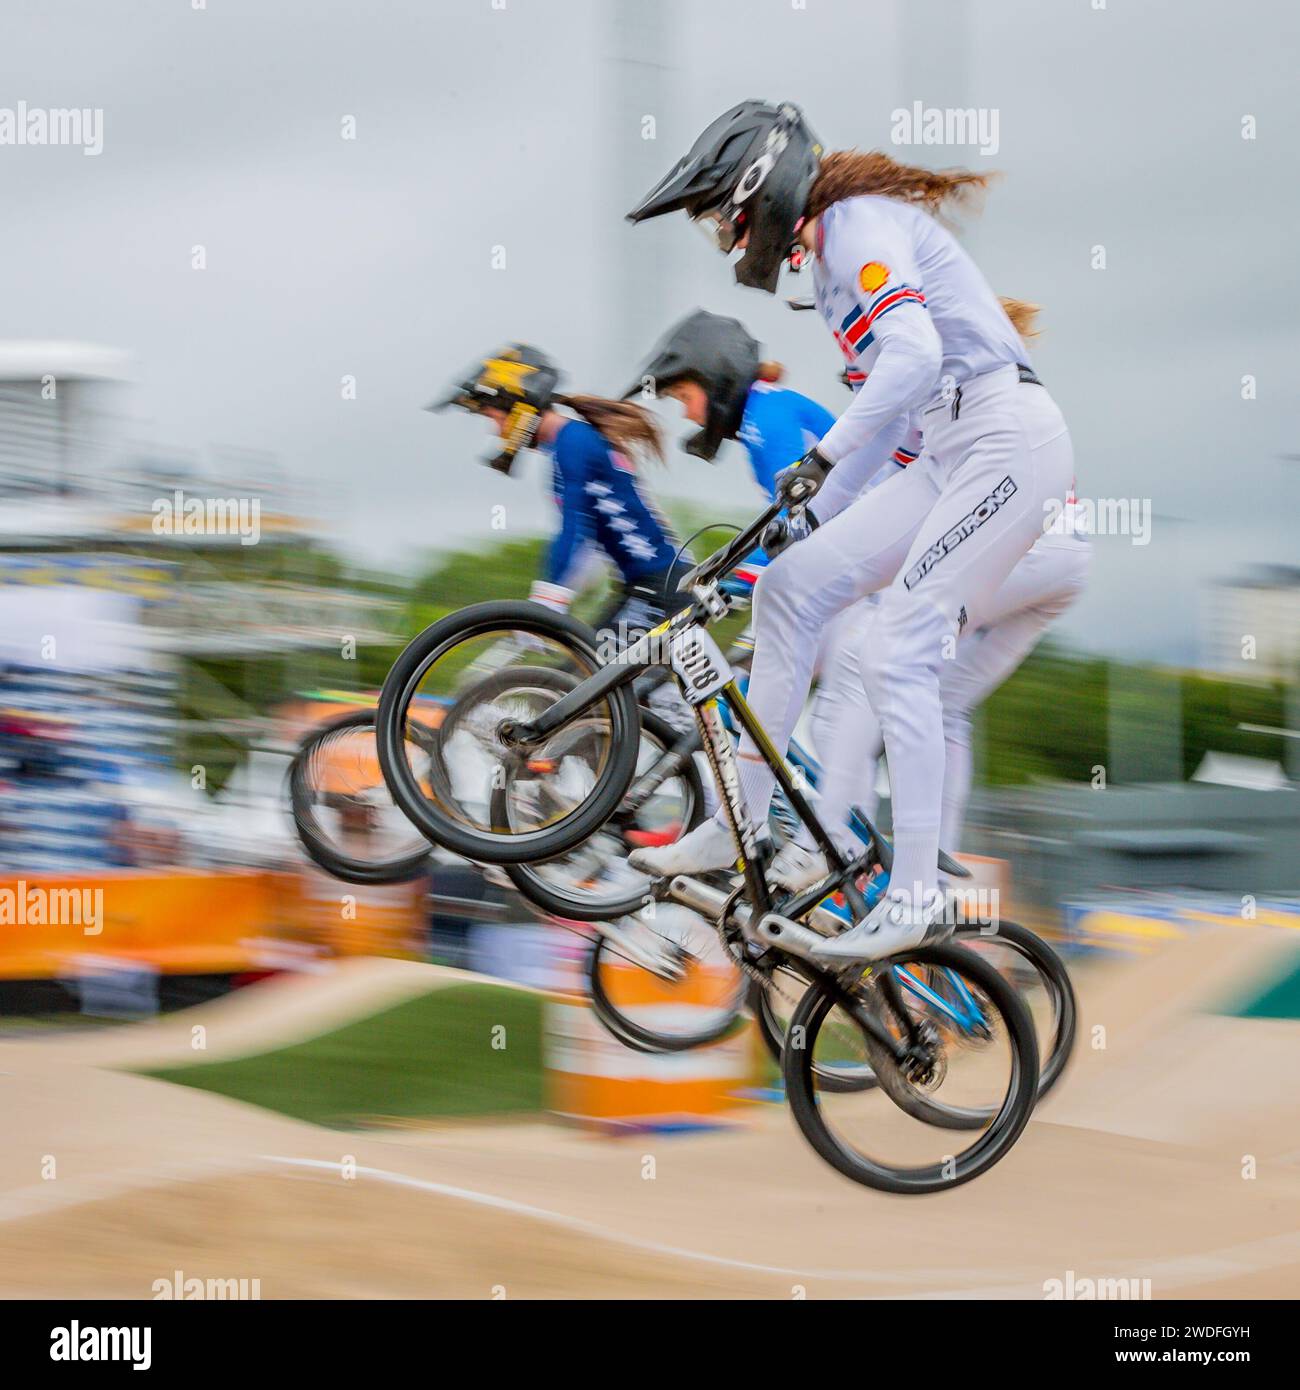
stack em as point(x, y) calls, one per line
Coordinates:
point(628, 427)
point(1023, 315)
point(850, 174)
point(770, 371)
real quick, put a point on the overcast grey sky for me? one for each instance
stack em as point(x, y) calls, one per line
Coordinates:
point(520, 125)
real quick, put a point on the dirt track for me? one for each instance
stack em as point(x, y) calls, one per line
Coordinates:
point(1135, 1171)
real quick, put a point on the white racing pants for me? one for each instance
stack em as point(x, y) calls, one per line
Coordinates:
point(1040, 588)
point(835, 669)
point(939, 541)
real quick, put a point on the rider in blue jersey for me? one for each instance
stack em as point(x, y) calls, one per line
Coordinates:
point(775, 421)
point(593, 452)
point(597, 492)
point(710, 365)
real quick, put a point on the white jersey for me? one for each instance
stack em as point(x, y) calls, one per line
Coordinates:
point(907, 450)
point(909, 309)
point(883, 457)
point(894, 447)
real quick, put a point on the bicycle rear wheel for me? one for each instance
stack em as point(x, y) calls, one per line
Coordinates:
point(774, 1003)
point(701, 1001)
point(1043, 983)
point(895, 1147)
point(345, 819)
point(559, 790)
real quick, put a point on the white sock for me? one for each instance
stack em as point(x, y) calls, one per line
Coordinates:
point(757, 782)
point(845, 840)
point(916, 863)
point(956, 790)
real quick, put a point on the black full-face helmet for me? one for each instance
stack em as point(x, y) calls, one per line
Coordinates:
point(749, 172)
point(519, 380)
point(717, 353)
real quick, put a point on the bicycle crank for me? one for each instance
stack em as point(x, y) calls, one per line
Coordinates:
point(657, 954)
point(788, 936)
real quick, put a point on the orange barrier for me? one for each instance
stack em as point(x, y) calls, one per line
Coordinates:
point(347, 919)
point(986, 895)
point(595, 1079)
point(301, 717)
point(196, 922)
point(177, 921)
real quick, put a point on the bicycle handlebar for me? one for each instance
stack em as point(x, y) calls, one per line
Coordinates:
point(723, 561)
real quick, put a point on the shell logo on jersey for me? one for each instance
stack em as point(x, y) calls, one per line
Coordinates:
point(872, 276)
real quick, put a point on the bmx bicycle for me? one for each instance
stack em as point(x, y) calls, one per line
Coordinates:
point(561, 765)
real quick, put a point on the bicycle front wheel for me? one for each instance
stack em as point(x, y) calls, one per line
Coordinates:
point(344, 816)
point(476, 674)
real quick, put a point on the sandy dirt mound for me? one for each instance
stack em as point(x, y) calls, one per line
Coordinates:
point(547, 1213)
point(1134, 1172)
point(275, 1012)
point(317, 1237)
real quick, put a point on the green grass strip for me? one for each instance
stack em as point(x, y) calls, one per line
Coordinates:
point(1279, 998)
point(431, 1056)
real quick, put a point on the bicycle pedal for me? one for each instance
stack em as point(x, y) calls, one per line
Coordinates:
point(788, 936)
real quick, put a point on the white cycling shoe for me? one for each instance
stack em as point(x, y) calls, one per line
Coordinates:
point(894, 924)
point(796, 868)
point(709, 846)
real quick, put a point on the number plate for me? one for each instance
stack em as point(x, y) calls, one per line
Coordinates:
point(700, 666)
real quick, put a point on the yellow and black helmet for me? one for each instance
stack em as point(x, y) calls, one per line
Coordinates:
point(520, 380)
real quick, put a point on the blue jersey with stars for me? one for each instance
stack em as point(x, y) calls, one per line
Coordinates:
point(600, 501)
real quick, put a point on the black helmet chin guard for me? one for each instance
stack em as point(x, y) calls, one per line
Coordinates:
point(700, 446)
point(750, 172)
point(520, 380)
point(717, 353)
